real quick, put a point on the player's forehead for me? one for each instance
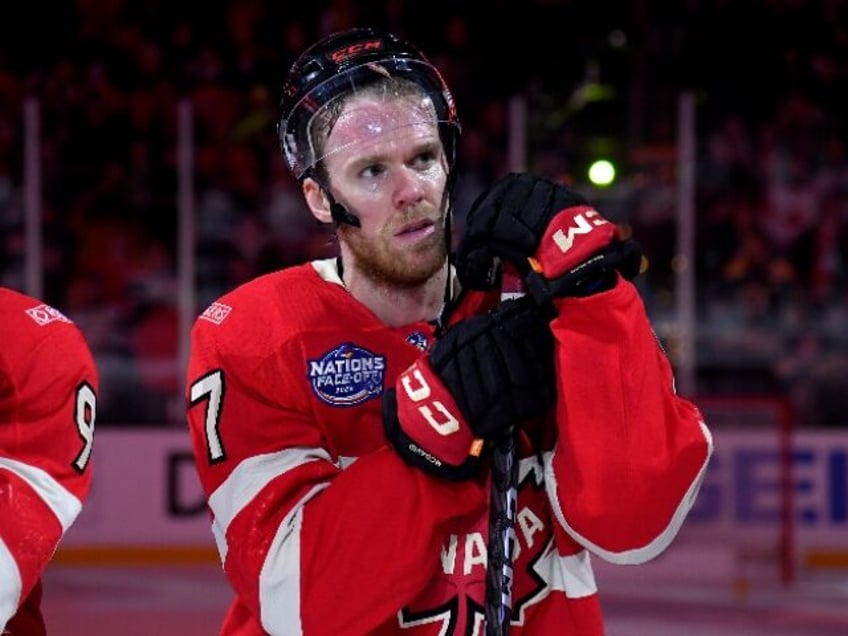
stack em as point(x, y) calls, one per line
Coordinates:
point(370, 121)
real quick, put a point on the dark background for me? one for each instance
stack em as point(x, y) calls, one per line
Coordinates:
point(597, 79)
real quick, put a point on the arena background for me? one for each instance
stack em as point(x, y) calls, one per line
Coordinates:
point(140, 178)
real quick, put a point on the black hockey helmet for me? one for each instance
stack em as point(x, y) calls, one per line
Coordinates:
point(339, 64)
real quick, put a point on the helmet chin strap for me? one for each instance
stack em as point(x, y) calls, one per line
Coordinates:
point(340, 213)
point(447, 202)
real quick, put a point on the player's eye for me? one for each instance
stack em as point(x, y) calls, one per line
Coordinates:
point(424, 160)
point(372, 171)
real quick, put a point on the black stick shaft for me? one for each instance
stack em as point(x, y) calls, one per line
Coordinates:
point(501, 547)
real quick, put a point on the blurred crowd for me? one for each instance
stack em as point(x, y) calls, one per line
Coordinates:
point(768, 77)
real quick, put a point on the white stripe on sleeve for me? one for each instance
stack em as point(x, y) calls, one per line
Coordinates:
point(10, 585)
point(247, 480)
point(64, 505)
point(660, 542)
point(279, 581)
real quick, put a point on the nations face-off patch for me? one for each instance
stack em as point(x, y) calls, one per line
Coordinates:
point(347, 375)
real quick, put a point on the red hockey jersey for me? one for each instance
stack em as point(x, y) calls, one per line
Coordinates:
point(48, 384)
point(323, 529)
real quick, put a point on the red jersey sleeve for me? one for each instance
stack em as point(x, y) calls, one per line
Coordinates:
point(48, 387)
point(630, 453)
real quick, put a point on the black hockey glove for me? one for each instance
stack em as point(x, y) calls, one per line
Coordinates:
point(485, 374)
point(549, 233)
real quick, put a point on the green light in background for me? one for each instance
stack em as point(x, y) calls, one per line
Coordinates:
point(602, 172)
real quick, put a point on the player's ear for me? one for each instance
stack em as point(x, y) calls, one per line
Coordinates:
point(316, 200)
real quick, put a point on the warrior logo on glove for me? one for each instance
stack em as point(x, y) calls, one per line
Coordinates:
point(573, 235)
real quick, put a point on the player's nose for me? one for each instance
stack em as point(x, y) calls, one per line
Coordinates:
point(408, 189)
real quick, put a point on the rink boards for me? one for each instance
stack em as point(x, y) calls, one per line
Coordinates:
point(146, 503)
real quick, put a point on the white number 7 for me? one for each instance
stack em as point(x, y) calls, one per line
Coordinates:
point(211, 388)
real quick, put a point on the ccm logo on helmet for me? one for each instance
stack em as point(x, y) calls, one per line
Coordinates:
point(355, 49)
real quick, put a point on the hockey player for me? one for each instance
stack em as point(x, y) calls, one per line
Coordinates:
point(342, 411)
point(48, 388)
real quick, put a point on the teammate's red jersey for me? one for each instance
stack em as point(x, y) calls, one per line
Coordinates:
point(48, 384)
point(323, 529)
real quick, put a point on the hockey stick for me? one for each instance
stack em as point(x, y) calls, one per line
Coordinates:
point(503, 499)
point(501, 546)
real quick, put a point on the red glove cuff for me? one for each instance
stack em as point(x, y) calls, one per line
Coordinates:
point(430, 416)
point(573, 235)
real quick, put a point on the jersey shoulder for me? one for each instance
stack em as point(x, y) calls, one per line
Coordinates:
point(28, 323)
point(277, 307)
point(40, 341)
